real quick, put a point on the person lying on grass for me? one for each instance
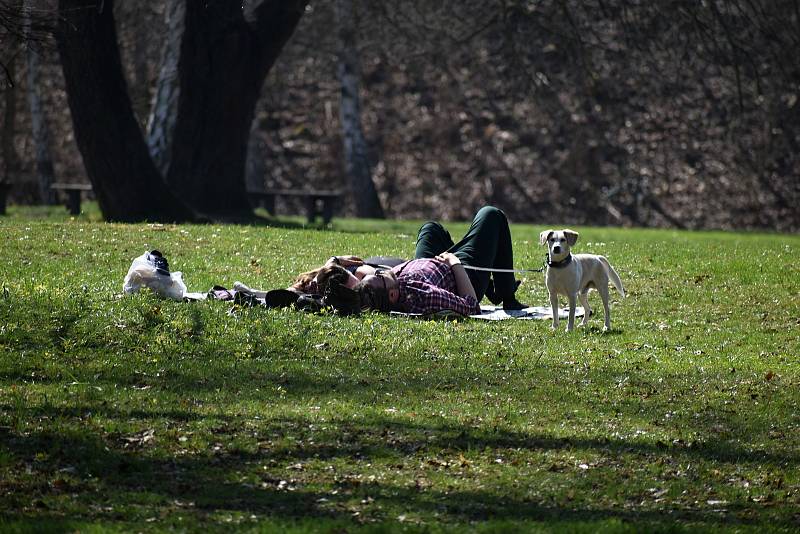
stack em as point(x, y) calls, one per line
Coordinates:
point(436, 279)
point(348, 269)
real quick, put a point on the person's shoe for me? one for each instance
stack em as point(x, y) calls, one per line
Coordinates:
point(157, 260)
point(245, 299)
point(512, 304)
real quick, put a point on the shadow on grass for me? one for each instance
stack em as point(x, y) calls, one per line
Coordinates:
point(252, 382)
point(340, 225)
point(383, 437)
point(260, 220)
point(101, 471)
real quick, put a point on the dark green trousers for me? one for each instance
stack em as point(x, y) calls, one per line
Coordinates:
point(486, 244)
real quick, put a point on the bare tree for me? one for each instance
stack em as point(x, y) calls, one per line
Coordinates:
point(632, 106)
point(125, 180)
point(39, 125)
point(20, 25)
point(225, 54)
point(12, 32)
point(612, 111)
point(356, 153)
point(10, 156)
point(12, 29)
point(164, 109)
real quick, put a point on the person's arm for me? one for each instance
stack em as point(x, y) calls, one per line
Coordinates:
point(424, 298)
point(364, 270)
point(344, 261)
point(463, 284)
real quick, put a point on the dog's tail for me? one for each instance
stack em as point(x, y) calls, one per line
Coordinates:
point(613, 276)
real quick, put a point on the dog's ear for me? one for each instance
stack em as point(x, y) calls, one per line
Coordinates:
point(544, 236)
point(571, 235)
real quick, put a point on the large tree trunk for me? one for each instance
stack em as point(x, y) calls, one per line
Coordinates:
point(256, 166)
point(41, 132)
point(10, 156)
point(225, 56)
point(40, 129)
point(164, 110)
point(139, 88)
point(356, 154)
point(126, 182)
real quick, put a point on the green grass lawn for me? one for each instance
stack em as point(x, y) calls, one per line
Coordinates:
point(131, 413)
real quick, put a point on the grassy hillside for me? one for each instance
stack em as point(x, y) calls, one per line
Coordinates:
point(135, 413)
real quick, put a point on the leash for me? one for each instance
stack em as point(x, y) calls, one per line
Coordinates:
point(493, 270)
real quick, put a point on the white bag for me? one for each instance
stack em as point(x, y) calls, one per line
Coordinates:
point(143, 273)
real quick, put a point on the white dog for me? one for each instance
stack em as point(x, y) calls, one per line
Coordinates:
point(574, 275)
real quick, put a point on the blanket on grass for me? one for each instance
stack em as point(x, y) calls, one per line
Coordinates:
point(249, 297)
point(497, 313)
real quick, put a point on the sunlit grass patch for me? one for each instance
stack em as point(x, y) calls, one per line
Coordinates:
point(135, 413)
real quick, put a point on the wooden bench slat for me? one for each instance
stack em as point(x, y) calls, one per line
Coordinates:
point(70, 187)
point(328, 199)
point(294, 193)
point(73, 194)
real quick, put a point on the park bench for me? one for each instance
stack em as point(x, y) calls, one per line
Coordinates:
point(73, 192)
point(318, 203)
point(4, 187)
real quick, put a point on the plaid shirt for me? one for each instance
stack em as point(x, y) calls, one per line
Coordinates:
point(429, 286)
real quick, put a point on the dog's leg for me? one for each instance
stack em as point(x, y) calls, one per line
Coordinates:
point(571, 321)
point(554, 306)
point(603, 290)
point(584, 296)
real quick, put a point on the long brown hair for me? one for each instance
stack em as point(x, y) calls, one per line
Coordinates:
point(303, 280)
point(330, 274)
point(362, 297)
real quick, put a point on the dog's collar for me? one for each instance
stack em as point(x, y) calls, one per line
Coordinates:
point(559, 264)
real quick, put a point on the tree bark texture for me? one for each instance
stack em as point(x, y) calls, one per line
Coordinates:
point(225, 56)
point(256, 166)
point(125, 180)
point(356, 153)
point(39, 126)
point(140, 97)
point(164, 109)
point(10, 156)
